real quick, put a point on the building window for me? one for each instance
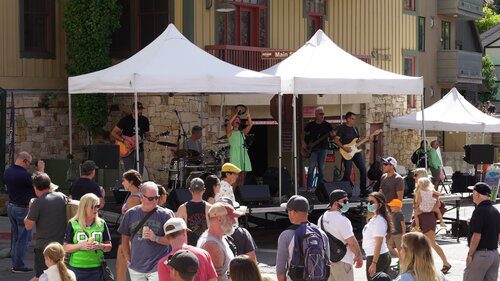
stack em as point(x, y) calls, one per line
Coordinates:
point(37, 28)
point(140, 23)
point(246, 26)
point(445, 35)
point(409, 5)
point(315, 12)
point(409, 70)
point(421, 34)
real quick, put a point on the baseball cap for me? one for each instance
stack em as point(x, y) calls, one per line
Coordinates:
point(197, 184)
point(89, 166)
point(174, 225)
point(481, 188)
point(183, 261)
point(337, 195)
point(235, 204)
point(220, 209)
point(395, 203)
point(231, 168)
point(139, 105)
point(391, 160)
point(297, 203)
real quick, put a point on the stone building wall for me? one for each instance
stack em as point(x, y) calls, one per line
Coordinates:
point(396, 142)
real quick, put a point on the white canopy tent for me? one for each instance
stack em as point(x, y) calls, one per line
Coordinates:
point(321, 67)
point(172, 64)
point(452, 113)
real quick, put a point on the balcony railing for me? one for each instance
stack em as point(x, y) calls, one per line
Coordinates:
point(457, 66)
point(253, 58)
point(466, 9)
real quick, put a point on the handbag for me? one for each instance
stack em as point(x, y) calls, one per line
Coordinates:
point(107, 275)
point(337, 248)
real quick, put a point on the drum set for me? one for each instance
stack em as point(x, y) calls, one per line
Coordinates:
point(187, 164)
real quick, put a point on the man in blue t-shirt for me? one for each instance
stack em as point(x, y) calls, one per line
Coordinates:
point(20, 190)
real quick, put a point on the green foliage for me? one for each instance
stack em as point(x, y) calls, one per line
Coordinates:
point(489, 20)
point(89, 25)
point(489, 81)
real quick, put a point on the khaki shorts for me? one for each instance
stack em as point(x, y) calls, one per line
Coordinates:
point(341, 271)
point(395, 241)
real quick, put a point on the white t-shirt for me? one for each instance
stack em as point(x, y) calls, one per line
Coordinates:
point(340, 227)
point(376, 227)
point(226, 190)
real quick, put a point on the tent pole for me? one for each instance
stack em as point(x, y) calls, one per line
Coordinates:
point(202, 115)
point(295, 168)
point(221, 114)
point(340, 101)
point(423, 128)
point(70, 125)
point(136, 117)
point(279, 144)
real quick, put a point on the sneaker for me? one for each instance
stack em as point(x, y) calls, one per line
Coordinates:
point(21, 270)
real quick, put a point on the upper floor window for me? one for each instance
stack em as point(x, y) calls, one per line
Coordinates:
point(315, 12)
point(409, 5)
point(421, 34)
point(245, 26)
point(409, 70)
point(445, 35)
point(140, 23)
point(37, 28)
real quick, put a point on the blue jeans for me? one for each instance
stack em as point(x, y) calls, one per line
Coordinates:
point(360, 164)
point(316, 160)
point(20, 235)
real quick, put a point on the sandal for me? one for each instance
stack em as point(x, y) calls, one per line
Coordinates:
point(445, 269)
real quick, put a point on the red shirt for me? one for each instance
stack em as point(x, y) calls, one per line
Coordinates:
point(206, 269)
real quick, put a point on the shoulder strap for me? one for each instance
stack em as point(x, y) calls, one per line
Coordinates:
point(141, 223)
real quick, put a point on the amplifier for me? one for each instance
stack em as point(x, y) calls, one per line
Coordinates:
point(461, 181)
point(105, 156)
point(324, 189)
point(253, 194)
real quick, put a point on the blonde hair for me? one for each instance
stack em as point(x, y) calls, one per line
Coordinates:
point(87, 201)
point(422, 184)
point(421, 173)
point(417, 259)
point(55, 252)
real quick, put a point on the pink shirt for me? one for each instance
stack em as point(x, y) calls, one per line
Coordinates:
point(206, 269)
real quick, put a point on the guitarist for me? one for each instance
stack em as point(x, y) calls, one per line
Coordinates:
point(345, 134)
point(126, 127)
point(313, 131)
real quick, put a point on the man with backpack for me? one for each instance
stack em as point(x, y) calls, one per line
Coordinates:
point(303, 250)
point(344, 248)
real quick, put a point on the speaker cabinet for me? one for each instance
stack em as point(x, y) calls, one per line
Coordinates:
point(479, 153)
point(105, 156)
point(461, 182)
point(178, 197)
point(253, 194)
point(324, 189)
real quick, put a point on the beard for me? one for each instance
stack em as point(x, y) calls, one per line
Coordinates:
point(227, 227)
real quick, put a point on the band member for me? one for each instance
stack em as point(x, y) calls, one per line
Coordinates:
point(194, 141)
point(126, 128)
point(345, 134)
point(313, 132)
point(238, 151)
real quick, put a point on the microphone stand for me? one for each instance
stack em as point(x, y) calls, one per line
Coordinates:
point(182, 133)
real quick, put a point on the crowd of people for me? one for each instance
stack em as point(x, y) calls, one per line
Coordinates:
point(204, 241)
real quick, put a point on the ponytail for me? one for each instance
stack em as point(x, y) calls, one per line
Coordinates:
point(55, 252)
point(63, 271)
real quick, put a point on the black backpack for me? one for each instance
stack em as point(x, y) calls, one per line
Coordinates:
point(337, 248)
point(309, 261)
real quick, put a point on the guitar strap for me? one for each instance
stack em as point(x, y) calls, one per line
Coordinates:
point(356, 131)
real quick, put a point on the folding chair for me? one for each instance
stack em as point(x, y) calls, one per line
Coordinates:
point(448, 172)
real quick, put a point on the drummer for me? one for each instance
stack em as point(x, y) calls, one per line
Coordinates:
point(194, 141)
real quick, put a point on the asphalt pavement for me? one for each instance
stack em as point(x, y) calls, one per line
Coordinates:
point(266, 253)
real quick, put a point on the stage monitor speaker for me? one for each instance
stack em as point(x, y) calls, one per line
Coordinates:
point(461, 182)
point(324, 189)
point(253, 194)
point(105, 156)
point(479, 153)
point(178, 197)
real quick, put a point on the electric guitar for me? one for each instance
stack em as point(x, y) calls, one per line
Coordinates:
point(127, 150)
point(306, 152)
point(354, 145)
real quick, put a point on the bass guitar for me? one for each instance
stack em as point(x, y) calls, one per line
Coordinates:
point(127, 150)
point(354, 145)
point(306, 152)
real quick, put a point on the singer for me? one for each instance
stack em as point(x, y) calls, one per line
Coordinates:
point(238, 151)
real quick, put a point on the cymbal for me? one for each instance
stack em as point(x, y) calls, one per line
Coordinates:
point(220, 142)
point(166, 143)
point(224, 137)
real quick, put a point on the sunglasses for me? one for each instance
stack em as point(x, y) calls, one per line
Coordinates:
point(228, 274)
point(96, 207)
point(152, 198)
